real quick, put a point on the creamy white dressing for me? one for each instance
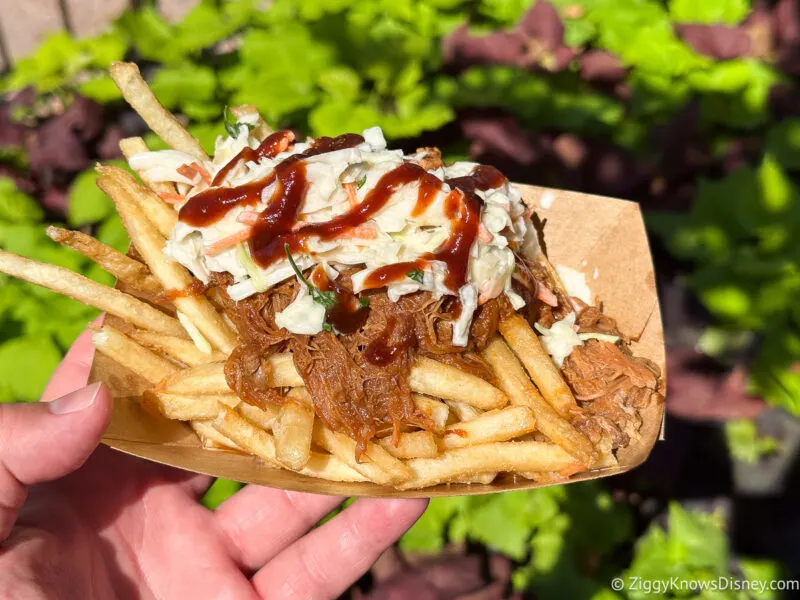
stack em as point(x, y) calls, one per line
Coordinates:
point(394, 234)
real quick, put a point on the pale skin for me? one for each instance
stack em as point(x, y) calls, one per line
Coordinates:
point(82, 521)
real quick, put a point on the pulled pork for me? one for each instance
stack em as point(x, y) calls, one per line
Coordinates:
point(610, 386)
point(350, 393)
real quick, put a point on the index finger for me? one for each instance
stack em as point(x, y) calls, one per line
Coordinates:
point(73, 372)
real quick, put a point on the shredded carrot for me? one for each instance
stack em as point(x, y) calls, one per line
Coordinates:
point(490, 290)
point(484, 234)
point(365, 231)
point(172, 198)
point(546, 296)
point(248, 217)
point(188, 172)
point(228, 241)
point(202, 172)
point(350, 188)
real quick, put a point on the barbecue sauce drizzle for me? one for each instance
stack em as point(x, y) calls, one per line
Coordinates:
point(277, 225)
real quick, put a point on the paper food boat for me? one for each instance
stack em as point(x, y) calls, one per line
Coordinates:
point(601, 237)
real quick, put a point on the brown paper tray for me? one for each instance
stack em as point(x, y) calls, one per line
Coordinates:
point(590, 233)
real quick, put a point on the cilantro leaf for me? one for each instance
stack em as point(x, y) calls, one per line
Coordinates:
point(232, 126)
point(363, 302)
point(326, 299)
point(417, 275)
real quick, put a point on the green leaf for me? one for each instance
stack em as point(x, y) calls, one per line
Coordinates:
point(101, 89)
point(340, 82)
point(699, 536)
point(174, 85)
point(417, 275)
point(106, 48)
point(220, 490)
point(744, 442)
point(783, 142)
point(87, 202)
point(25, 366)
point(16, 206)
point(758, 571)
point(428, 533)
point(709, 12)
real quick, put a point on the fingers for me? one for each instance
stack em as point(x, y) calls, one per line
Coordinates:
point(73, 372)
point(45, 441)
point(328, 560)
point(258, 522)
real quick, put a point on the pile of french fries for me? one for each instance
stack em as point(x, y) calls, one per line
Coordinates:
point(521, 427)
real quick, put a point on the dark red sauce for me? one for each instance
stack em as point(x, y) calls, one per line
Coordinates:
point(347, 316)
point(387, 274)
point(269, 148)
point(429, 186)
point(383, 349)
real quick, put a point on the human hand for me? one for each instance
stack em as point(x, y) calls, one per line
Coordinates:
point(87, 522)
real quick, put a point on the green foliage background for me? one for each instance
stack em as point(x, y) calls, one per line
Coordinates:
point(330, 66)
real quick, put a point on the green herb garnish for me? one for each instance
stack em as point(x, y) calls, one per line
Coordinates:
point(417, 275)
point(363, 302)
point(326, 299)
point(327, 327)
point(232, 126)
point(360, 183)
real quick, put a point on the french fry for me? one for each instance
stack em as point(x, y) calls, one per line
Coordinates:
point(415, 444)
point(192, 408)
point(482, 478)
point(379, 466)
point(158, 212)
point(245, 435)
point(327, 466)
point(463, 411)
point(261, 417)
point(436, 410)
point(125, 269)
point(210, 378)
point(172, 275)
point(283, 372)
point(122, 349)
point(449, 383)
point(135, 145)
point(493, 426)
point(211, 438)
point(526, 345)
point(292, 433)
point(202, 379)
point(141, 98)
point(514, 381)
point(67, 283)
point(467, 462)
point(180, 349)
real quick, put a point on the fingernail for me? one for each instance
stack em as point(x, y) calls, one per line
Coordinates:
point(76, 401)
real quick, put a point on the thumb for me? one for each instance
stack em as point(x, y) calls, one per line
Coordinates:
point(47, 440)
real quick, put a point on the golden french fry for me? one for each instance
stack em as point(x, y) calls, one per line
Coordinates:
point(122, 349)
point(180, 349)
point(261, 129)
point(327, 466)
point(67, 283)
point(487, 458)
point(514, 381)
point(202, 379)
point(483, 478)
point(261, 417)
point(245, 435)
point(379, 466)
point(211, 438)
point(158, 212)
point(292, 433)
point(191, 408)
point(415, 444)
point(283, 372)
point(493, 426)
point(526, 345)
point(135, 145)
point(172, 275)
point(125, 269)
point(462, 411)
point(449, 383)
point(141, 98)
point(434, 409)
